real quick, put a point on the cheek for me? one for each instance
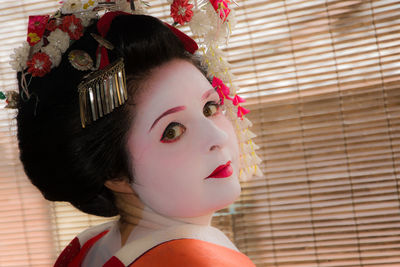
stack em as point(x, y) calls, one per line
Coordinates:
point(232, 144)
point(165, 169)
point(155, 160)
point(169, 184)
point(233, 141)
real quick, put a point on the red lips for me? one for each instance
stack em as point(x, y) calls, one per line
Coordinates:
point(222, 171)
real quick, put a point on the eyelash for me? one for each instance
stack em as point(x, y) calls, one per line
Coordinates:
point(173, 124)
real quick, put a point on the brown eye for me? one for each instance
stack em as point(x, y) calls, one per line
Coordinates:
point(211, 108)
point(172, 133)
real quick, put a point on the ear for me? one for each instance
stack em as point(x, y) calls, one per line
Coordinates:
point(119, 186)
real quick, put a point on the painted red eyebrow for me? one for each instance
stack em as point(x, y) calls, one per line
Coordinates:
point(169, 111)
point(208, 93)
point(179, 108)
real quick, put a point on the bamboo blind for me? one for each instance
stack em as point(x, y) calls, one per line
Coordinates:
point(25, 231)
point(321, 79)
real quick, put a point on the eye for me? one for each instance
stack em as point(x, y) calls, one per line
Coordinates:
point(211, 108)
point(173, 132)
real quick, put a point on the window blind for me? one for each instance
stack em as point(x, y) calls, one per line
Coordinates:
point(32, 231)
point(25, 238)
point(25, 229)
point(321, 79)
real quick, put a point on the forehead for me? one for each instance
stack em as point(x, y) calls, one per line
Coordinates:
point(175, 83)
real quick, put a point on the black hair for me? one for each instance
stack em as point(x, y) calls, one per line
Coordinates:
point(67, 162)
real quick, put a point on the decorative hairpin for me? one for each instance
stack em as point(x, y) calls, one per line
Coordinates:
point(102, 91)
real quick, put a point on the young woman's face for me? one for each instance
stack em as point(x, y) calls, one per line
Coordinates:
point(179, 137)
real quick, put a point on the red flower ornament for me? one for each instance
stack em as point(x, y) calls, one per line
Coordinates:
point(39, 65)
point(221, 7)
point(36, 28)
point(181, 11)
point(52, 25)
point(237, 99)
point(73, 26)
point(242, 111)
point(222, 90)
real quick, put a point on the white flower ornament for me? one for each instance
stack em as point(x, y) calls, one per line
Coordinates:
point(59, 39)
point(71, 6)
point(20, 57)
point(54, 54)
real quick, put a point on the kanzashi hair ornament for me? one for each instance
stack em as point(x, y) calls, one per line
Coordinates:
point(80, 60)
point(102, 41)
point(102, 91)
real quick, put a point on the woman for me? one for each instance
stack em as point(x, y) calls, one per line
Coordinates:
point(164, 156)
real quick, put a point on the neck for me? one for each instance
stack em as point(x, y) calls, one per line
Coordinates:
point(137, 219)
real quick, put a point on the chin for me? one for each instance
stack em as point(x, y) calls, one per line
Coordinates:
point(228, 195)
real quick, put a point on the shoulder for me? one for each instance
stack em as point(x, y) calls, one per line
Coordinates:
point(183, 245)
point(76, 250)
point(188, 252)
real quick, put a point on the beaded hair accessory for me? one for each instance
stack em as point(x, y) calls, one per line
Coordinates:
point(104, 88)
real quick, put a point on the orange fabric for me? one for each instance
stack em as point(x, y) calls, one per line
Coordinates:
point(193, 253)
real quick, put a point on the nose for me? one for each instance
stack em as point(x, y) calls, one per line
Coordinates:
point(214, 136)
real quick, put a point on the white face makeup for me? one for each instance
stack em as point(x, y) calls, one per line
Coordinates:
point(179, 137)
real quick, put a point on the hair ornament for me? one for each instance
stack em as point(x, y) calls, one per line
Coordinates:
point(102, 41)
point(80, 60)
point(10, 97)
point(101, 92)
point(181, 11)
